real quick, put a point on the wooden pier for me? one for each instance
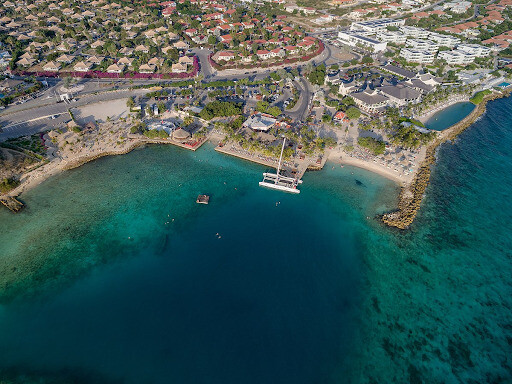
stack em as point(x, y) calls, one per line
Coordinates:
point(12, 203)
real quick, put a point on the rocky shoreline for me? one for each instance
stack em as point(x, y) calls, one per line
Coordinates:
point(411, 195)
point(10, 200)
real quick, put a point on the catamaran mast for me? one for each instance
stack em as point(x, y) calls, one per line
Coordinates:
point(280, 158)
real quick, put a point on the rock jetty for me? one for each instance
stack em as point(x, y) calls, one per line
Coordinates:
point(411, 195)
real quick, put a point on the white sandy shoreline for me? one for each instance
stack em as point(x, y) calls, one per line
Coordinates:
point(442, 106)
point(336, 156)
point(368, 166)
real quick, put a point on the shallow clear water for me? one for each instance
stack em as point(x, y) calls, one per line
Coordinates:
point(100, 285)
point(119, 272)
point(449, 116)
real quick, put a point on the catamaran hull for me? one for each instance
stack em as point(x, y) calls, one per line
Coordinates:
point(273, 176)
point(279, 187)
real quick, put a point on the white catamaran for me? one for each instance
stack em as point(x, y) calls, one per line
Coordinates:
point(278, 181)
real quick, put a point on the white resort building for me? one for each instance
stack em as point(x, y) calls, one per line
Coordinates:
point(414, 56)
point(444, 40)
point(374, 26)
point(456, 57)
point(391, 37)
point(355, 38)
point(423, 45)
point(475, 49)
point(414, 32)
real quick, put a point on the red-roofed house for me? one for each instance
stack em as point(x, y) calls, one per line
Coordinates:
point(226, 55)
point(277, 52)
point(226, 39)
point(263, 54)
point(291, 49)
point(168, 11)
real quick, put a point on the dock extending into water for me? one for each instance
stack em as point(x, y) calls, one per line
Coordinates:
point(12, 203)
point(296, 170)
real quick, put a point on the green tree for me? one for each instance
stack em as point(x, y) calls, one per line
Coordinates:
point(189, 120)
point(262, 106)
point(353, 113)
point(161, 107)
point(130, 103)
point(377, 147)
point(212, 40)
point(367, 60)
point(317, 75)
point(274, 111)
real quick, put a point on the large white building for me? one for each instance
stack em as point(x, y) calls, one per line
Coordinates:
point(475, 49)
point(414, 56)
point(391, 37)
point(374, 26)
point(354, 39)
point(444, 40)
point(457, 6)
point(456, 57)
point(414, 32)
point(423, 45)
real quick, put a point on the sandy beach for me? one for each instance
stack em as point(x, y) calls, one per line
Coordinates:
point(443, 105)
point(378, 165)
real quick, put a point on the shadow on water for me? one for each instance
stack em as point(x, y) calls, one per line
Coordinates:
point(22, 375)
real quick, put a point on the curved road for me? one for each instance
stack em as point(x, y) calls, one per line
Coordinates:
point(36, 114)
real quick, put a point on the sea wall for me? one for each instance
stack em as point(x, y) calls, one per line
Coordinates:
point(411, 195)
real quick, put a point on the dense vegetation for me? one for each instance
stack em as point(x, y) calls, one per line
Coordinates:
point(7, 185)
point(377, 147)
point(156, 134)
point(264, 107)
point(317, 75)
point(409, 137)
point(353, 113)
point(479, 96)
point(220, 109)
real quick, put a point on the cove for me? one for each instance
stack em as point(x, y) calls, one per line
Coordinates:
point(100, 285)
point(449, 116)
point(114, 273)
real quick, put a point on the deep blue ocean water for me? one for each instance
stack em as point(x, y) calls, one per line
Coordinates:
point(99, 284)
point(449, 116)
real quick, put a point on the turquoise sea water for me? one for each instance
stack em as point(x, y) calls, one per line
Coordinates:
point(449, 116)
point(100, 285)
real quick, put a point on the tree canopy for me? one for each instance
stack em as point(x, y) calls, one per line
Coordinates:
point(317, 75)
point(220, 109)
point(377, 147)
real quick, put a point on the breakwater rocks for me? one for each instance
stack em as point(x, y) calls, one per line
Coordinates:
point(411, 195)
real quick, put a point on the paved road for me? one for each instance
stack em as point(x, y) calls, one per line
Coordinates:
point(36, 119)
point(301, 109)
point(202, 55)
point(34, 115)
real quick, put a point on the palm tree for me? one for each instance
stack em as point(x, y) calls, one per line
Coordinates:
point(189, 120)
